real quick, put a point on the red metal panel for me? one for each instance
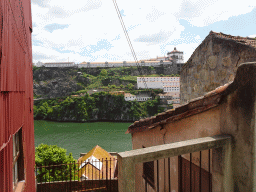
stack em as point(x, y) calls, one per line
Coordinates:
point(6, 168)
point(16, 110)
point(16, 90)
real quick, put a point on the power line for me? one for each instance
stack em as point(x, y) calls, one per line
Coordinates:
point(129, 41)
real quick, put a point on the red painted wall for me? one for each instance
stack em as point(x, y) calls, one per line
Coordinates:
point(16, 90)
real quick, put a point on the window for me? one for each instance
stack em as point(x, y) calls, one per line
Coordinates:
point(18, 164)
point(148, 173)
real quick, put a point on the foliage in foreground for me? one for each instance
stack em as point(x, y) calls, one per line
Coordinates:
point(53, 155)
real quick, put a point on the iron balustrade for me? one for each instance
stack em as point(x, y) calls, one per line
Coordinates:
point(88, 175)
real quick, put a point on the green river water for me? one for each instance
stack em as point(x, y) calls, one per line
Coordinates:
point(82, 137)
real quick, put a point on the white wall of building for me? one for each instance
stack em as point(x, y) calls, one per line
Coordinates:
point(121, 64)
point(60, 64)
point(168, 84)
point(129, 97)
point(143, 98)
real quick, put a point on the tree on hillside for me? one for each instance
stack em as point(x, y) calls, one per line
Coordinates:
point(103, 72)
point(130, 86)
point(53, 155)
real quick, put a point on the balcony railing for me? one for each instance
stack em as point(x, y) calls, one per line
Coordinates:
point(91, 175)
point(128, 160)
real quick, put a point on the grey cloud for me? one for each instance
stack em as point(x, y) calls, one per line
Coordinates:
point(193, 9)
point(55, 26)
point(41, 3)
point(90, 5)
point(57, 12)
point(154, 15)
point(41, 56)
point(154, 38)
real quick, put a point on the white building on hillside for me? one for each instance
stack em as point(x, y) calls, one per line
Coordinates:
point(176, 56)
point(143, 98)
point(59, 64)
point(123, 64)
point(129, 97)
point(39, 64)
point(168, 84)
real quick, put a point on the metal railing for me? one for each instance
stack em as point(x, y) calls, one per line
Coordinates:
point(128, 160)
point(88, 175)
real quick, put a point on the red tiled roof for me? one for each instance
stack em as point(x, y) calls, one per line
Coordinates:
point(210, 100)
point(244, 40)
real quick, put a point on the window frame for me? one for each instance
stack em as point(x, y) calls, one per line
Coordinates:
point(17, 160)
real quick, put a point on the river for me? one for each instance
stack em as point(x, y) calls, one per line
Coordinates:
point(82, 137)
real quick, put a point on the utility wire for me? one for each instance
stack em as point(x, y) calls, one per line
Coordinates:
point(129, 42)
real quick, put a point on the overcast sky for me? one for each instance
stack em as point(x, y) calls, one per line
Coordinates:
point(89, 30)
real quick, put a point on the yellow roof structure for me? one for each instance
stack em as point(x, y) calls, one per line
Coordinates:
point(97, 164)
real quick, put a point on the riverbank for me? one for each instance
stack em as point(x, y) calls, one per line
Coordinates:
point(90, 121)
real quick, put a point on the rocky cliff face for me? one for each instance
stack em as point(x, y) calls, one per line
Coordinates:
point(51, 83)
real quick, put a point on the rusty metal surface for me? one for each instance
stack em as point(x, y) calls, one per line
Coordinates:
point(16, 89)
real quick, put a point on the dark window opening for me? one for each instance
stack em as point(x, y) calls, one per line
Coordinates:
point(148, 173)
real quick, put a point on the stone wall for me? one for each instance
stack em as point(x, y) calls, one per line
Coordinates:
point(213, 63)
point(175, 68)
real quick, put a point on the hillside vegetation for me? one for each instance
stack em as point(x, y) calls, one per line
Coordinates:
point(97, 107)
point(56, 82)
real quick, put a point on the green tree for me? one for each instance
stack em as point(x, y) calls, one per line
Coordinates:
point(103, 72)
point(130, 86)
point(43, 111)
point(121, 86)
point(46, 155)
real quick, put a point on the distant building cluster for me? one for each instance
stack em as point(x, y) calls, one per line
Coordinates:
point(168, 84)
point(173, 58)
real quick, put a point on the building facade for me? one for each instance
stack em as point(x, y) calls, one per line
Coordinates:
point(17, 149)
point(111, 64)
point(168, 84)
point(227, 110)
point(59, 64)
point(176, 56)
point(142, 98)
point(129, 97)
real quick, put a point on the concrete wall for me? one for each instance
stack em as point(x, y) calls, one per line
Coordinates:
point(200, 125)
point(213, 63)
point(234, 115)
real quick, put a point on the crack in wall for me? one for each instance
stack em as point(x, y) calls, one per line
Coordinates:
point(238, 61)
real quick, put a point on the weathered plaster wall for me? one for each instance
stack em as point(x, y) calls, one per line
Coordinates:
point(196, 126)
point(235, 115)
point(213, 63)
point(238, 119)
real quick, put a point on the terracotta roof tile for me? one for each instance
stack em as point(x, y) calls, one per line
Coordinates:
point(209, 100)
point(244, 40)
